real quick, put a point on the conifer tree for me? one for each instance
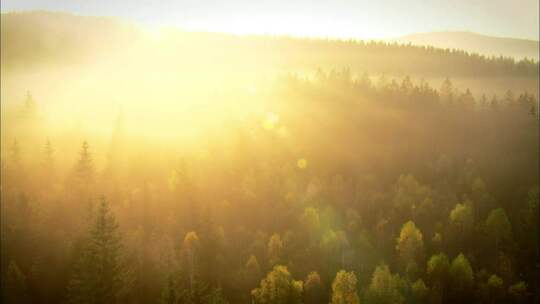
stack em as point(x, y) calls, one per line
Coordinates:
point(99, 273)
point(48, 159)
point(84, 169)
point(48, 164)
point(15, 153)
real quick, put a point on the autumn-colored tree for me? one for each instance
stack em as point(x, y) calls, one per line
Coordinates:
point(313, 289)
point(278, 288)
point(344, 288)
point(275, 249)
point(410, 244)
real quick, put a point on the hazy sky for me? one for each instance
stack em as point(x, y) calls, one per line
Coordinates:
point(335, 18)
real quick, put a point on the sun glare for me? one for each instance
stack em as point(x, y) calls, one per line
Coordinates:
point(205, 157)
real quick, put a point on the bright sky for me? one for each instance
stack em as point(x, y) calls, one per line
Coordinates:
point(327, 18)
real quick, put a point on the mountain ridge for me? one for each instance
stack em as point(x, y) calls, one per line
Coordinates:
point(46, 39)
point(472, 42)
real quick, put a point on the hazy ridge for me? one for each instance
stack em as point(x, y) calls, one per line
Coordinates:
point(38, 38)
point(476, 43)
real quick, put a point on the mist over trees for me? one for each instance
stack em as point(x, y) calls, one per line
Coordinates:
point(211, 168)
point(358, 192)
point(45, 39)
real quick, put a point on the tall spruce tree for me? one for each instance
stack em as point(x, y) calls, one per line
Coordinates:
point(98, 274)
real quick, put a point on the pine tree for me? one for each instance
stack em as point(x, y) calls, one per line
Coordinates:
point(28, 110)
point(48, 160)
point(15, 171)
point(15, 152)
point(84, 169)
point(48, 163)
point(99, 274)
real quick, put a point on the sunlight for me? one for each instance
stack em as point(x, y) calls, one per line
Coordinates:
point(154, 32)
point(270, 121)
point(204, 166)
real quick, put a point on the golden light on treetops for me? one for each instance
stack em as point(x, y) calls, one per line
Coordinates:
point(216, 168)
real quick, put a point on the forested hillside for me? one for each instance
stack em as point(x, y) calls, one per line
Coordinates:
point(43, 38)
point(476, 43)
point(176, 167)
point(344, 192)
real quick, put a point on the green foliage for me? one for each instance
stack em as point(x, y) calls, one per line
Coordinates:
point(518, 292)
point(461, 224)
point(278, 288)
point(344, 288)
point(275, 249)
point(311, 223)
point(419, 291)
point(384, 287)
point(249, 206)
point(462, 217)
point(98, 275)
point(330, 242)
point(438, 267)
point(410, 244)
point(498, 226)
point(494, 282)
point(531, 214)
point(84, 169)
point(412, 199)
point(461, 277)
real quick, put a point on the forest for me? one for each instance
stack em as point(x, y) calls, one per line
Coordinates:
point(345, 184)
